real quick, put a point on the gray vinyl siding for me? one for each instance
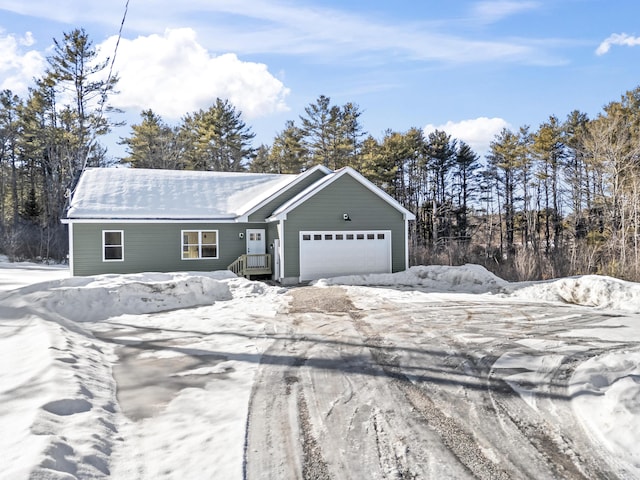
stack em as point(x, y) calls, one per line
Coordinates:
point(324, 211)
point(265, 211)
point(272, 233)
point(154, 247)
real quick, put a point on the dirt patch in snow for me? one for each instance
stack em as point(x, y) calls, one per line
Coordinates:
point(325, 300)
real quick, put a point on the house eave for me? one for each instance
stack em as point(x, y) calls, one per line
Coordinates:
point(296, 181)
point(150, 220)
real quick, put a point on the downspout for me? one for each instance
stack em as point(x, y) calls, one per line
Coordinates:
point(71, 249)
point(406, 242)
point(282, 259)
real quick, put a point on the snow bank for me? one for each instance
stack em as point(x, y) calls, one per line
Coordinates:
point(84, 299)
point(605, 391)
point(465, 279)
point(59, 413)
point(588, 290)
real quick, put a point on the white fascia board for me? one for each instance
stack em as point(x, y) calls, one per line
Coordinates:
point(245, 219)
point(147, 220)
point(307, 193)
point(276, 218)
point(380, 193)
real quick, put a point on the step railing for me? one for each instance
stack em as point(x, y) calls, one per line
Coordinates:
point(251, 264)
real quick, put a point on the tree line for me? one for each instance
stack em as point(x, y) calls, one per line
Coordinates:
point(563, 199)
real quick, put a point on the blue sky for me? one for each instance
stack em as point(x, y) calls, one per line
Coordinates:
point(468, 67)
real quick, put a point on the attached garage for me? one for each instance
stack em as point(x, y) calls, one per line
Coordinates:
point(335, 253)
point(340, 225)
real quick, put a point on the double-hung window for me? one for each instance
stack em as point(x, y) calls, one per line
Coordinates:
point(112, 245)
point(199, 244)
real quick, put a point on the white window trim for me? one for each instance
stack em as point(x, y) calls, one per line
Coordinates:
point(200, 257)
point(104, 246)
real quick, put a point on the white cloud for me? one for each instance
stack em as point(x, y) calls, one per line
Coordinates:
point(310, 31)
point(173, 74)
point(27, 40)
point(617, 39)
point(493, 11)
point(333, 34)
point(478, 132)
point(18, 67)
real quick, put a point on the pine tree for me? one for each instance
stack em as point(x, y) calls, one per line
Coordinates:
point(288, 154)
point(504, 161)
point(217, 139)
point(74, 70)
point(331, 133)
point(465, 175)
point(549, 148)
point(261, 162)
point(31, 209)
point(440, 152)
point(153, 144)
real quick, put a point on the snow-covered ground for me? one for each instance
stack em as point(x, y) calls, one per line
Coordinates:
point(156, 375)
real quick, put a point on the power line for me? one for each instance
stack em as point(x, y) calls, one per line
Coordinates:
point(103, 97)
point(115, 52)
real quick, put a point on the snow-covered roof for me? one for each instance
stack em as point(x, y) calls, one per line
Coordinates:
point(133, 193)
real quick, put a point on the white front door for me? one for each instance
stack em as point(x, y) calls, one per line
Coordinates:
point(256, 241)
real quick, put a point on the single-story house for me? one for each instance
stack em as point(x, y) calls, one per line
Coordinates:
point(294, 228)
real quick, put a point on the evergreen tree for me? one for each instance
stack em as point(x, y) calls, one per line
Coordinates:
point(319, 127)
point(217, 139)
point(261, 162)
point(379, 168)
point(153, 144)
point(504, 161)
point(349, 142)
point(549, 148)
point(576, 171)
point(9, 162)
point(74, 71)
point(440, 156)
point(288, 154)
point(31, 209)
point(466, 181)
point(332, 134)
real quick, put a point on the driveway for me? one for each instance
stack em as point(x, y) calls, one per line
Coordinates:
point(372, 386)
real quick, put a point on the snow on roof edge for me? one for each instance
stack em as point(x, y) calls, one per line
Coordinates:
point(144, 194)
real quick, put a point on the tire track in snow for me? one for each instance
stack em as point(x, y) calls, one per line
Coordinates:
point(454, 436)
point(273, 444)
point(349, 421)
point(347, 396)
point(536, 447)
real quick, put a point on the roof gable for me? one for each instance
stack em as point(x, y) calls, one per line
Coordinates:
point(302, 181)
point(282, 211)
point(130, 194)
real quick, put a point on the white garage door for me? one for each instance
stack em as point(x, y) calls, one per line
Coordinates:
point(331, 254)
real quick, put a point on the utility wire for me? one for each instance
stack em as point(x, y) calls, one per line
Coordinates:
point(103, 97)
point(113, 60)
